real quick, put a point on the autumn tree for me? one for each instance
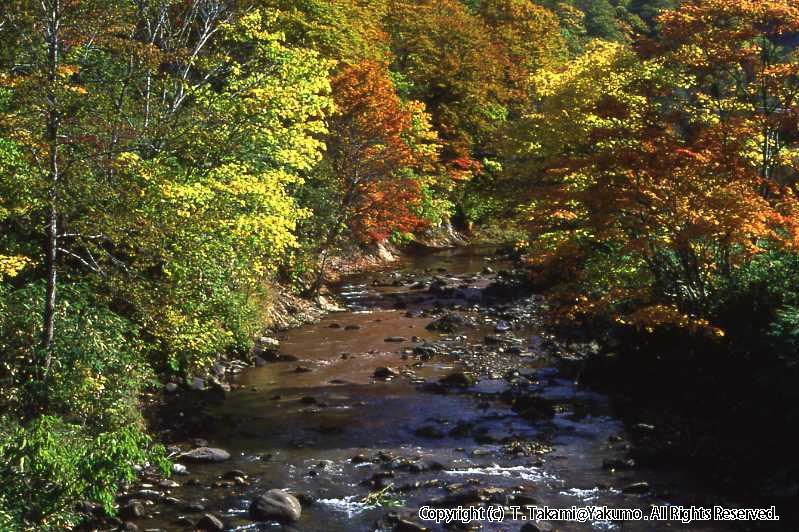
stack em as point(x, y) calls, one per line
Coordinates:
point(343, 30)
point(446, 53)
point(742, 67)
point(49, 121)
point(648, 203)
point(217, 196)
point(382, 146)
point(529, 37)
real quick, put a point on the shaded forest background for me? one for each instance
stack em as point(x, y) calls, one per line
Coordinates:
point(163, 163)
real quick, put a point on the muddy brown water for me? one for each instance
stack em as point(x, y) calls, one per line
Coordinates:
point(300, 431)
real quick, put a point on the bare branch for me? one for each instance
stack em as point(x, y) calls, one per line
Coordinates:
point(95, 268)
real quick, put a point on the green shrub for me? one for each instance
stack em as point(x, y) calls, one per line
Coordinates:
point(784, 331)
point(51, 464)
point(74, 432)
point(97, 366)
point(760, 303)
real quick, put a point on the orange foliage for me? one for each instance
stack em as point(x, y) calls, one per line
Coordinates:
point(684, 171)
point(377, 139)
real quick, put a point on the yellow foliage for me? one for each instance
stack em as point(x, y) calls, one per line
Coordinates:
point(10, 266)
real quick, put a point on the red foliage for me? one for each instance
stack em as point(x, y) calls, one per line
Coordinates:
point(373, 144)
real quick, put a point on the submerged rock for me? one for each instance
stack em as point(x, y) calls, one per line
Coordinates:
point(539, 526)
point(205, 454)
point(534, 407)
point(209, 523)
point(276, 504)
point(459, 378)
point(385, 373)
point(429, 431)
point(450, 323)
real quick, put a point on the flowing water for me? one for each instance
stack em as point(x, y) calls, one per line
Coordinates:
point(335, 434)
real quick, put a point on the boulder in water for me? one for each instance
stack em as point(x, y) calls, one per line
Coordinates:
point(205, 454)
point(276, 505)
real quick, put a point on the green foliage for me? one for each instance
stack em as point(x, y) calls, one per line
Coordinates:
point(98, 371)
point(387, 497)
point(50, 463)
point(434, 206)
point(784, 331)
point(77, 432)
point(344, 30)
point(765, 291)
point(612, 20)
point(600, 19)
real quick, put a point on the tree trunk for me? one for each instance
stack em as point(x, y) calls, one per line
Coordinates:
point(332, 236)
point(52, 29)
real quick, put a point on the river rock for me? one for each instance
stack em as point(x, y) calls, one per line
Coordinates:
point(205, 454)
point(425, 351)
point(396, 339)
point(266, 343)
point(233, 474)
point(404, 525)
point(450, 323)
point(459, 378)
point(534, 407)
point(194, 507)
point(459, 496)
point(277, 505)
point(618, 464)
point(501, 289)
point(502, 326)
point(148, 495)
point(492, 340)
point(636, 488)
point(209, 523)
point(219, 369)
point(385, 373)
point(171, 387)
point(132, 510)
point(328, 306)
point(217, 387)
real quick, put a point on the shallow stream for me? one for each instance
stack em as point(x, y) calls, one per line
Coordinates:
point(334, 433)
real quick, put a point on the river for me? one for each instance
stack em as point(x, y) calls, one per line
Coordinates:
point(333, 433)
